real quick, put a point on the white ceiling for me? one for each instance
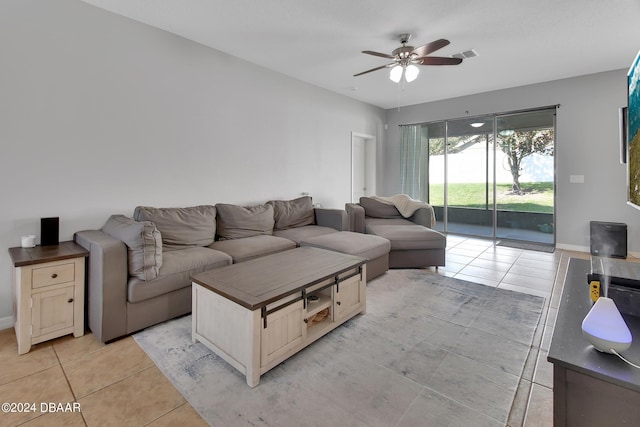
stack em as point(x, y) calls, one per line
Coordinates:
point(519, 42)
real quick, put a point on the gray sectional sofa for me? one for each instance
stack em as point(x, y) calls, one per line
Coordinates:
point(414, 243)
point(139, 268)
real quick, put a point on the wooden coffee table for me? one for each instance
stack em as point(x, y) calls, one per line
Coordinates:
point(257, 313)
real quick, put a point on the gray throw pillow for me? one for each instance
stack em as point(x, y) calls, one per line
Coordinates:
point(376, 209)
point(293, 213)
point(144, 244)
point(180, 227)
point(236, 222)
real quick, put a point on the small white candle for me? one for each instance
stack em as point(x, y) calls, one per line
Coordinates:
point(28, 241)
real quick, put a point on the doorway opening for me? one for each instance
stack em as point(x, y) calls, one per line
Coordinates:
point(363, 166)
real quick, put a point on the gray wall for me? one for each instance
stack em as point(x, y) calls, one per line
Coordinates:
point(99, 114)
point(586, 144)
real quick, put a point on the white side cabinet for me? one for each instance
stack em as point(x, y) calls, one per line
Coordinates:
point(48, 292)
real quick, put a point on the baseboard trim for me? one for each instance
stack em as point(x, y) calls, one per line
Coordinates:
point(574, 248)
point(587, 249)
point(6, 322)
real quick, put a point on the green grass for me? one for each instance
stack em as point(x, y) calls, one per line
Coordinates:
point(537, 197)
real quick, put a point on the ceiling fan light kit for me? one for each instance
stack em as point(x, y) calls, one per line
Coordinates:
point(406, 58)
point(410, 73)
point(396, 73)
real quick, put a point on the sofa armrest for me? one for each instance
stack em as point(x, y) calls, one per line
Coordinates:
point(424, 216)
point(334, 218)
point(107, 275)
point(355, 212)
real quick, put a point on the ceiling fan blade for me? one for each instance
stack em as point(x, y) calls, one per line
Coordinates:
point(438, 60)
point(383, 55)
point(375, 69)
point(428, 48)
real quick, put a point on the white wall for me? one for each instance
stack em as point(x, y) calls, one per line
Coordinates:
point(470, 165)
point(99, 114)
point(586, 144)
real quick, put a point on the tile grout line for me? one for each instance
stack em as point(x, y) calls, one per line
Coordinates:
point(66, 378)
point(527, 407)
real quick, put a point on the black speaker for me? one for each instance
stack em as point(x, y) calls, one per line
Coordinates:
point(608, 239)
point(49, 231)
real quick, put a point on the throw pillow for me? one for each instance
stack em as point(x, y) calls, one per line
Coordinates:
point(375, 209)
point(144, 244)
point(293, 213)
point(180, 227)
point(236, 222)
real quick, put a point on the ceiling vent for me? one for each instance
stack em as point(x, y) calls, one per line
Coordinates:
point(471, 53)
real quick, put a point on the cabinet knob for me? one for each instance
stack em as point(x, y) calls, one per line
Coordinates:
point(70, 300)
point(306, 320)
point(338, 302)
point(54, 275)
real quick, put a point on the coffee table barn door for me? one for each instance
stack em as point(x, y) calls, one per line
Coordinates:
point(284, 332)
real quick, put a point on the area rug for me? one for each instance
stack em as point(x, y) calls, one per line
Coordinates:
point(430, 351)
point(540, 247)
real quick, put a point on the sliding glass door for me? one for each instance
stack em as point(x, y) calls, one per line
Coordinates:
point(526, 176)
point(488, 176)
point(469, 172)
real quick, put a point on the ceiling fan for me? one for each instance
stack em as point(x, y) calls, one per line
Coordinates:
point(405, 59)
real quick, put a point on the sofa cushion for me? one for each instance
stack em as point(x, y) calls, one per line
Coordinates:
point(180, 227)
point(367, 246)
point(377, 209)
point(387, 221)
point(177, 269)
point(144, 245)
point(236, 222)
point(409, 237)
point(299, 234)
point(252, 247)
point(293, 213)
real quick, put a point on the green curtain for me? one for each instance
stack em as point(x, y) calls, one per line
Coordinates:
point(414, 162)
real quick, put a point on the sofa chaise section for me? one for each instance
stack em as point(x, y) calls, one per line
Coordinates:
point(414, 244)
point(374, 248)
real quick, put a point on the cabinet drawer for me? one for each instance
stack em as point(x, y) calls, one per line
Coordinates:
point(53, 275)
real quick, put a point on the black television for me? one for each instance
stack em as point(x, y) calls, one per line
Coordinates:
point(633, 133)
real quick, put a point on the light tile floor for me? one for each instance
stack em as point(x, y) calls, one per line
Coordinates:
point(117, 384)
